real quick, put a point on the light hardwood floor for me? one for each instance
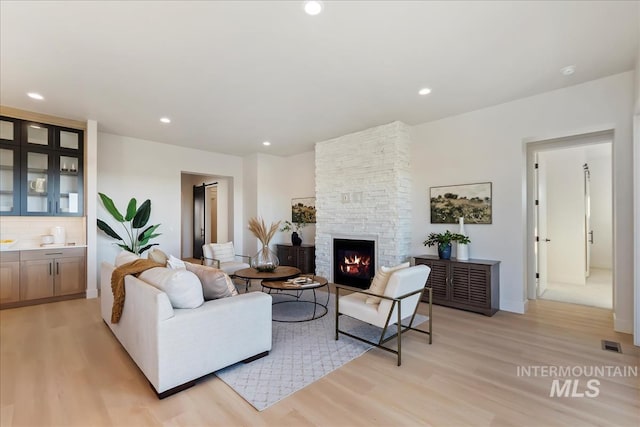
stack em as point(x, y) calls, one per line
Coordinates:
point(60, 365)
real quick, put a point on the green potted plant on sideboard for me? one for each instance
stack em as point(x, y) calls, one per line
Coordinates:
point(443, 241)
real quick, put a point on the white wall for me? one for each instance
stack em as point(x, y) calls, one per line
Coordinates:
point(565, 214)
point(299, 182)
point(131, 167)
point(267, 179)
point(250, 207)
point(225, 214)
point(489, 145)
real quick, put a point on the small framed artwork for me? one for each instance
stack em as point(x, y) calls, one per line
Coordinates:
point(471, 201)
point(303, 210)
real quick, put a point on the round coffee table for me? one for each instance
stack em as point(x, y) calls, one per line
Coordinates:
point(287, 289)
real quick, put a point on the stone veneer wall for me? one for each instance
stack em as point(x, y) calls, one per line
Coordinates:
point(363, 191)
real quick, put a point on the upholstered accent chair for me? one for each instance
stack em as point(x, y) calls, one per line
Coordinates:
point(223, 256)
point(399, 303)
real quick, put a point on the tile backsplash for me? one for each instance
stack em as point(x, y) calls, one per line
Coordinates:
point(28, 230)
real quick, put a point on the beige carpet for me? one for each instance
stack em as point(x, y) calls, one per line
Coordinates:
point(598, 292)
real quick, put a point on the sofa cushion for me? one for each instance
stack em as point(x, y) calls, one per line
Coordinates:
point(181, 286)
point(215, 283)
point(380, 280)
point(156, 255)
point(125, 257)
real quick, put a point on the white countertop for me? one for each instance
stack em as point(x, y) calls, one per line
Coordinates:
point(18, 247)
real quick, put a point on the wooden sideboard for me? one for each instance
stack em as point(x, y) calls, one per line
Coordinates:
point(472, 285)
point(302, 257)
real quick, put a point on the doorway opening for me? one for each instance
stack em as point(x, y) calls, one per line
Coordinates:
point(571, 220)
point(206, 212)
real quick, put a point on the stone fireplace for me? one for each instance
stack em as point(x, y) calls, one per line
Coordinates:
point(363, 192)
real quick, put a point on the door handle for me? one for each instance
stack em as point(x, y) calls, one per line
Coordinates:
point(547, 240)
point(591, 237)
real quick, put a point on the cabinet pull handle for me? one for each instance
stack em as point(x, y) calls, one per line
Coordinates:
point(58, 268)
point(50, 272)
point(54, 253)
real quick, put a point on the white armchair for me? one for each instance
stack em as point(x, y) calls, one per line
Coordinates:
point(224, 257)
point(399, 302)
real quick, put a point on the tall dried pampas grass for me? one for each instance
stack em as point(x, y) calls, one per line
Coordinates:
point(259, 229)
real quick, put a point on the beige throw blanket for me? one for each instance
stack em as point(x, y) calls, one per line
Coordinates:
point(117, 283)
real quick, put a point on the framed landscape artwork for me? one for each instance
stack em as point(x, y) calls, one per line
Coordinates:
point(471, 201)
point(303, 210)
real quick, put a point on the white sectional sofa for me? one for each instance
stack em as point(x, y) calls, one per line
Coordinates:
point(175, 347)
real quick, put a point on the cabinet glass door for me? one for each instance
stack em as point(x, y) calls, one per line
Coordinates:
point(69, 139)
point(69, 186)
point(9, 200)
point(37, 183)
point(37, 134)
point(8, 130)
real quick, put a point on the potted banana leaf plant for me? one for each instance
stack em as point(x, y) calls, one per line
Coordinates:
point(134, 222)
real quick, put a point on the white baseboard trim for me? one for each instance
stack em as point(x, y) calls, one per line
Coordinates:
point(92, 293)
point(622, 325)
point(513, 306)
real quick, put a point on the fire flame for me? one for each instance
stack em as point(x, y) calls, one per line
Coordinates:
point(355, 265)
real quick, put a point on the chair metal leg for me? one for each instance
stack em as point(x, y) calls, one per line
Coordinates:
point(399, 325)
point(430, 316)
point(337, 314)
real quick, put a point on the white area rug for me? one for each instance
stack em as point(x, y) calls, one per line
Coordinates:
point(301, 354)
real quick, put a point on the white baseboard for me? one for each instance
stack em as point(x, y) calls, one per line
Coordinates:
point(513, 306)
point(92, 293)
point(622, 325)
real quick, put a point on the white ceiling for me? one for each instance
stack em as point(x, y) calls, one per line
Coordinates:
point(233, 74)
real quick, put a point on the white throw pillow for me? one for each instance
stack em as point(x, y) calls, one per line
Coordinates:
point(125, 257)
point(380, 280)
point(175, 263)
point(215, 283)
point(181, 286)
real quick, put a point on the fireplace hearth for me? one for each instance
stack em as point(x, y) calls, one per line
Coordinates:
point(353, 262)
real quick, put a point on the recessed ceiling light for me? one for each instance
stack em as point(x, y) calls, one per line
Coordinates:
point(267, 143)
point(424, 91)
point(165, 120)
point(34, 95)
point(568, 70)
point(312, 7)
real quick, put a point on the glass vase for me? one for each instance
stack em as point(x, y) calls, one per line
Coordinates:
point(265, 260)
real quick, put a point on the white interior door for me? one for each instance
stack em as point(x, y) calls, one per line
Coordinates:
point(542, 237)
point(588, 237)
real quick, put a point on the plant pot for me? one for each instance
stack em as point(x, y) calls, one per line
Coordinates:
point(295, 239)
point(444, 251)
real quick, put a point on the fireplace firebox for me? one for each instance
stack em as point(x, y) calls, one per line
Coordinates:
point(353, 262)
